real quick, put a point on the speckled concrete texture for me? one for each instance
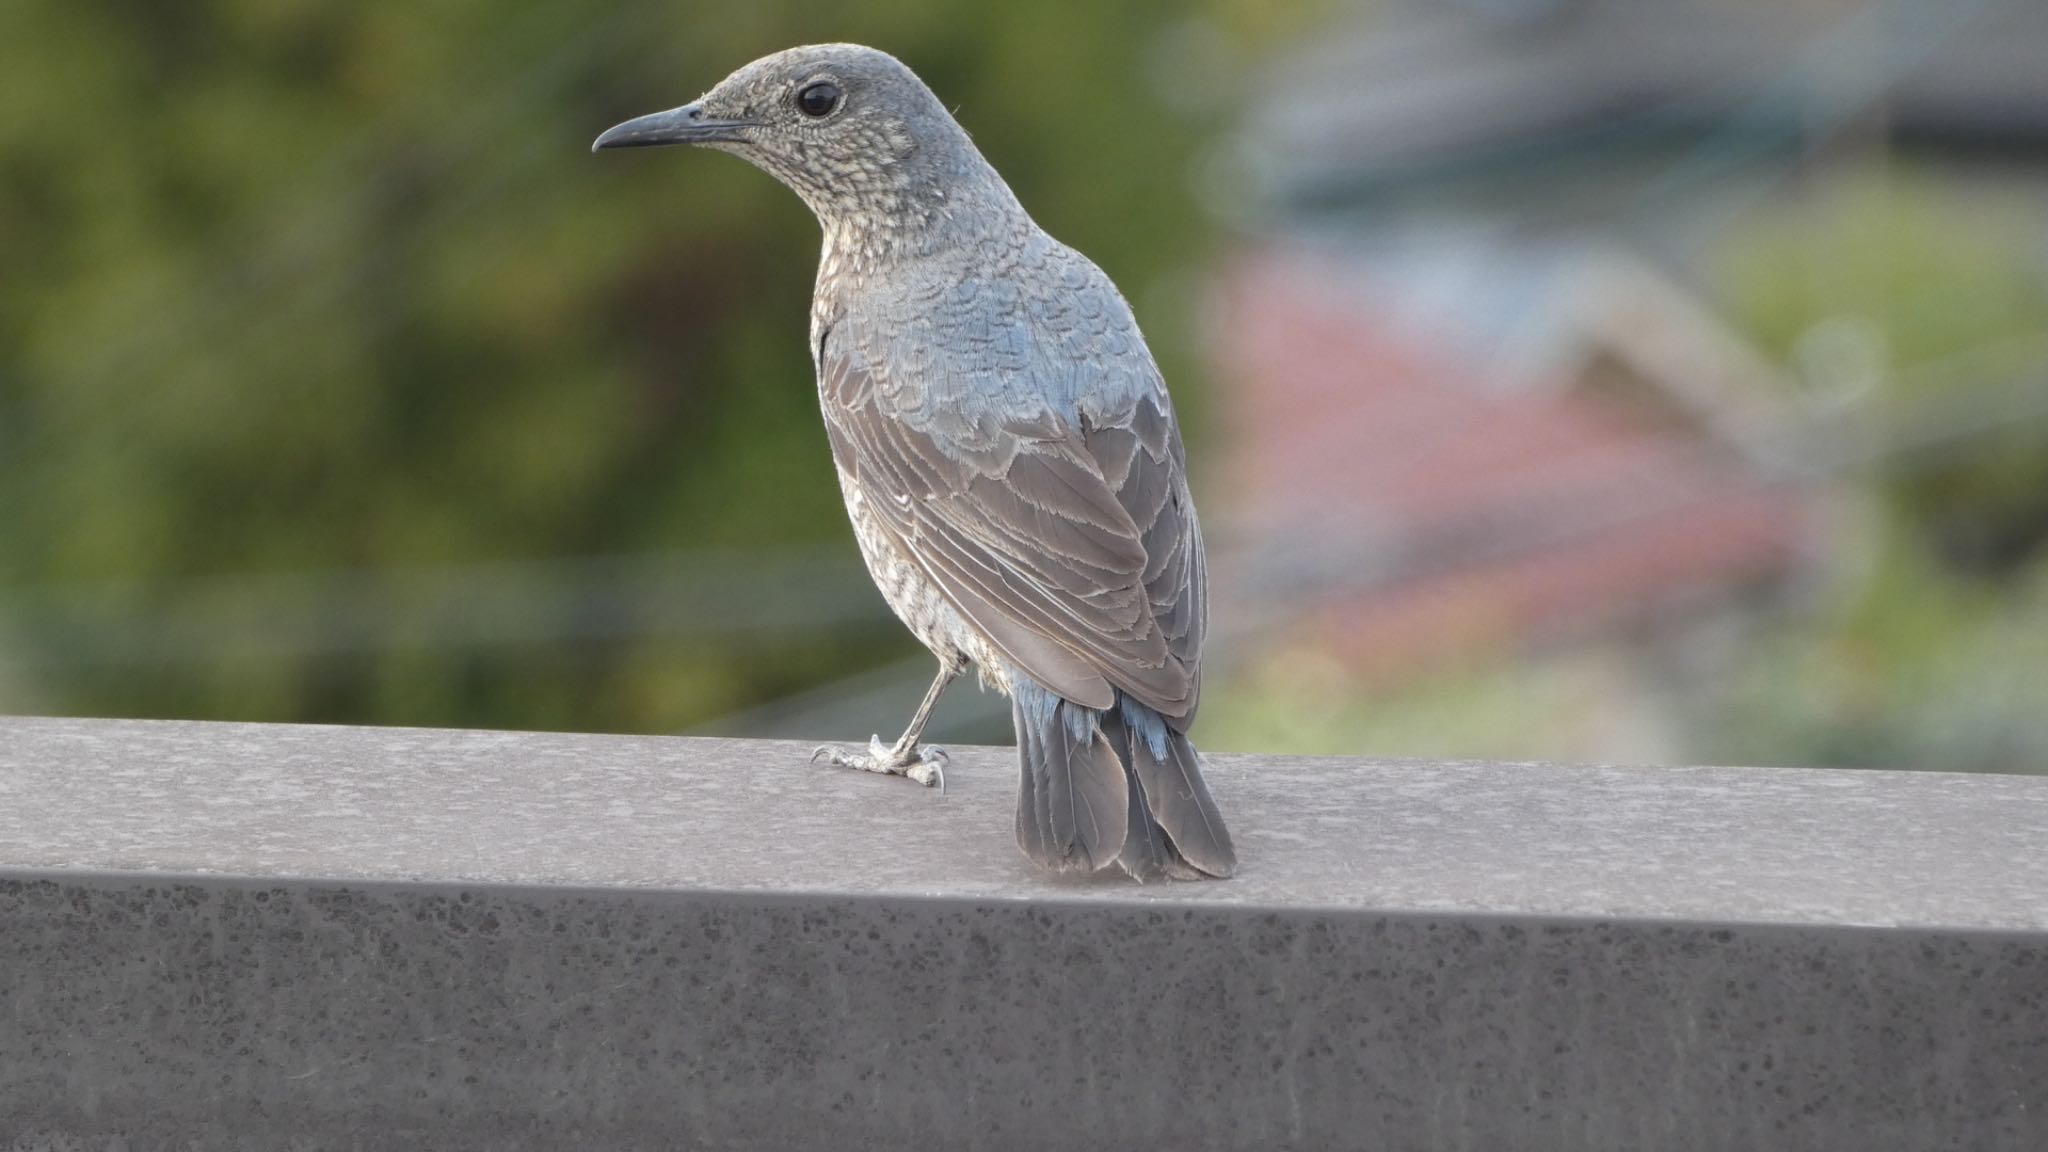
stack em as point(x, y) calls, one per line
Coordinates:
point(218, 936)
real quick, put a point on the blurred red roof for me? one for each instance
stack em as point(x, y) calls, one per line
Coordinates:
point(1394, 498)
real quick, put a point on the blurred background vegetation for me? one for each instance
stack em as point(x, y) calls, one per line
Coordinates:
point(339, 383)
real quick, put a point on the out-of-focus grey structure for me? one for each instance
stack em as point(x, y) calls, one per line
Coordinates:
point(1541, 111)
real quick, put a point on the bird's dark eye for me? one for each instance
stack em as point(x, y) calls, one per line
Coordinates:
point(818, 100)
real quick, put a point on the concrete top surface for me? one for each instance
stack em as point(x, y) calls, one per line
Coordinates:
point(1719, 845)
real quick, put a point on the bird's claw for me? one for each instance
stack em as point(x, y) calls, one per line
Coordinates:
point(924, 764)
point(930, 769)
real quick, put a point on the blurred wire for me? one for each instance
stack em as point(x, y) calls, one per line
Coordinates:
point(541, 602)
point(1838, 78)
point(850, 708)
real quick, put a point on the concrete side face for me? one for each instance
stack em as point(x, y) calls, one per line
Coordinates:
point(144, 1013)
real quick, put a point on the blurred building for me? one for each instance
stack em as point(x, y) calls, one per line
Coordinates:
point(1650, 115)
point(1480, 394)
point(1431, 467)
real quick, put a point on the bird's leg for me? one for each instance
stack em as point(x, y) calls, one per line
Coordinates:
point(906, 745)
point(925, 765)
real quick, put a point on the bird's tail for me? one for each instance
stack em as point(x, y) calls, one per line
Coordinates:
point(1117, 785)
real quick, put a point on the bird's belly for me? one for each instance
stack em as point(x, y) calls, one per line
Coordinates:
point(914, 598)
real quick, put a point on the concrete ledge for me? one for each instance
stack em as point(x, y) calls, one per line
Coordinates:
point(228, 936)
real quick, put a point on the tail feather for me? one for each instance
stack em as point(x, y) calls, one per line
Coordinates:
point(1073, 803)
point(1034, 814)
point(1169, 773)
point(1146, 855)
point(1117, 785)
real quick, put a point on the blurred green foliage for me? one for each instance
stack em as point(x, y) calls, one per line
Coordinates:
point(1907, 665)
point(1944, 285)
point(1927, 645)
point(302, 287)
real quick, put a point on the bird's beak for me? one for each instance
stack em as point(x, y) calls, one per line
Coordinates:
point(685, 125)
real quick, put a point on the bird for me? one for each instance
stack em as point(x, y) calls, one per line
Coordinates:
point(1007, 450)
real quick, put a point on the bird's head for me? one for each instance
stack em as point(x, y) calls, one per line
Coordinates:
point(850, 129)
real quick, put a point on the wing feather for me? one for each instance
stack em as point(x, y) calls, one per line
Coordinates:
point(1074, 550)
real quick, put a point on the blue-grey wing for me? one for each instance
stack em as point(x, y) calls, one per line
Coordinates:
point(1071, 543)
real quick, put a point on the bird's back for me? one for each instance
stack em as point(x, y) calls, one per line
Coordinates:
point(1003, 401)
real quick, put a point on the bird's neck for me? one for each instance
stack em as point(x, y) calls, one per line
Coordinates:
point(917, 224)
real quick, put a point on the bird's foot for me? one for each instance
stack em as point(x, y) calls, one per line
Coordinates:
point(922, 763)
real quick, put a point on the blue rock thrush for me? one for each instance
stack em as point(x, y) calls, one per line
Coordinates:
point(1007, 450)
